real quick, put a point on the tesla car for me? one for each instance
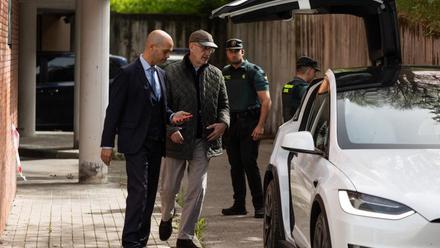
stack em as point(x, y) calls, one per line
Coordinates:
point(358, 166)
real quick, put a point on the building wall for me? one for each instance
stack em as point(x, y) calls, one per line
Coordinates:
point(128, 32)
point(55, 33)
point(8, 107)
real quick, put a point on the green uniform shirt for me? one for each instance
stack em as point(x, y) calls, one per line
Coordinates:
point(242, 85)
point(292, 95)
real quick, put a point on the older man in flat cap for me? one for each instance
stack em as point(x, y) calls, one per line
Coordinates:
point(199, 88)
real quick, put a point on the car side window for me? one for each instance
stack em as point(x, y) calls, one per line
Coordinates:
point(316, 117)
point(307, 110)
point(320, 126)
point(61, 69)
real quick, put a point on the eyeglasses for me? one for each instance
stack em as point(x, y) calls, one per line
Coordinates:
point(206, 49)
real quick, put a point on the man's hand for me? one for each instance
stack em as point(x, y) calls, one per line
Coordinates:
point(177, 137)
point(257, 133)
point(180, 117)
point(218, 130)
point(106, 155)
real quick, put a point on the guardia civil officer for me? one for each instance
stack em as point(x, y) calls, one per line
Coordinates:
point(294, 90)
point(249, 100)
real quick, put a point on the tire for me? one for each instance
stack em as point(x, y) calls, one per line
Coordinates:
point(321, 234)
point(273, 232)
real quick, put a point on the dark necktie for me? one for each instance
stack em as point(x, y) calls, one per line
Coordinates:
point(155, 85)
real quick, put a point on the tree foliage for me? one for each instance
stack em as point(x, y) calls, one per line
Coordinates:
point(198, 7)
point(425, 12)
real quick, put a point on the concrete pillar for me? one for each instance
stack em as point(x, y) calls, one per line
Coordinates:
point(77, 74)
point(27, 70)
point(94, 87)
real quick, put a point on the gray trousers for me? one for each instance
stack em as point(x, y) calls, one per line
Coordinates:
point(171, 178)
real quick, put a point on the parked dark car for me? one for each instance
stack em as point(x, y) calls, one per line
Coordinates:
point(55, 89)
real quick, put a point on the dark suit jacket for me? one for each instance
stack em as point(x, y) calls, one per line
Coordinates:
point(129, 111)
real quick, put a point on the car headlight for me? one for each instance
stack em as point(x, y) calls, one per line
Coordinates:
point(372, 206)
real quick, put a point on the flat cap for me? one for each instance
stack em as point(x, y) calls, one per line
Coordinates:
point(203, 38)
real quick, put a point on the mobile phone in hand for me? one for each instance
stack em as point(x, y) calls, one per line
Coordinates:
point(184, 118)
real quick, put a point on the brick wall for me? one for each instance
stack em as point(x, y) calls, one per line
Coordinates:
point(8, 107)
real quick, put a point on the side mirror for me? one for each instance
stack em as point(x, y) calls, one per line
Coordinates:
point(301, 142)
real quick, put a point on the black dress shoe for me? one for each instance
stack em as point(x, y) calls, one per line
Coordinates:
point(165, 229)
point(259, 213)
point(234, 210)
point(185, 243)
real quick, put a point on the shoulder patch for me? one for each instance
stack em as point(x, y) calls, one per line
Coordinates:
point(287, 88)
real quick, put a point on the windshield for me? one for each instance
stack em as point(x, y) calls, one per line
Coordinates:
point(403, 115)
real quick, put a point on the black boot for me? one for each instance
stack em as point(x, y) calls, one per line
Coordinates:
point(235, 210)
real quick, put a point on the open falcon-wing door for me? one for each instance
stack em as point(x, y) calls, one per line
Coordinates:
point(379, 16)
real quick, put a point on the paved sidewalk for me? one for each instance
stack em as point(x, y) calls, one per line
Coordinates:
point(52, 210)
point(231, 231)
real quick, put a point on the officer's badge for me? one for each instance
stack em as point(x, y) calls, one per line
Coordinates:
point(243, 76)
point(233, 43)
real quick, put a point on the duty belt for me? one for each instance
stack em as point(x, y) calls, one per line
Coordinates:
point(245, 114)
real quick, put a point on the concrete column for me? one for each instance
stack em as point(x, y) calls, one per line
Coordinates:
point(77, 74)
point(27, 70)
point(94, 67)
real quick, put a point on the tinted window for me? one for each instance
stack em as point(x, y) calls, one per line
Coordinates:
point(316, 118)
point(403, 115)
point(319, 127)
point(55, 69)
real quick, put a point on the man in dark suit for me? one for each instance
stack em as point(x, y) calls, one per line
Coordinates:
point(138, 113)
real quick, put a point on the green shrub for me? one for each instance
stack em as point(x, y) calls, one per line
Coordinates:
point(199, 7)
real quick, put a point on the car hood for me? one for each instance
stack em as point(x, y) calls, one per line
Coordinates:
point(411, 177)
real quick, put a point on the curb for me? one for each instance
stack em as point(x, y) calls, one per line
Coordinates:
point(48, 153)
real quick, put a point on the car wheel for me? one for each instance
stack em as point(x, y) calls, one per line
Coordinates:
point(321, 235)
point(272, 217)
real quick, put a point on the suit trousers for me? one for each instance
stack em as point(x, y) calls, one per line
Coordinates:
point(143, 169)
point(171, 178)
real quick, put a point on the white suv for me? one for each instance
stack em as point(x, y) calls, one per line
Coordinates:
point(358, 166)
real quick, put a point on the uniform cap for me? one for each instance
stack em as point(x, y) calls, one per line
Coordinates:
point(234, 44)
point(305, 61)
